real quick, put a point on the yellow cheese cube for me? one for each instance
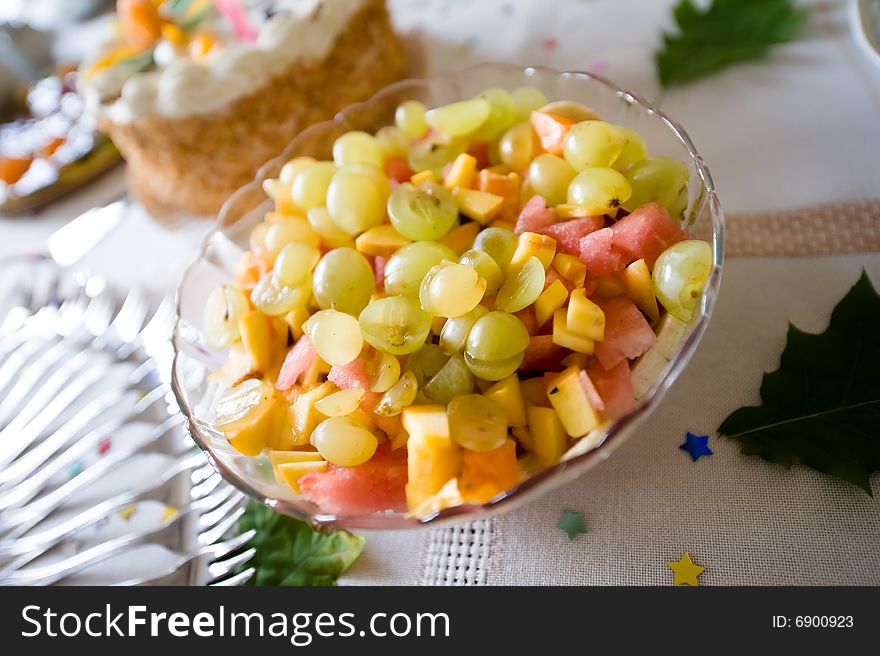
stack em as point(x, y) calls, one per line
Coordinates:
point(507, 186)
point(566, 338)
point(534, 391)
point(462, 172)
point(532, 243)
point(432, 456)
point(639, 287)
point(569, 398)
point(524, 437)
point(461, 237)
point(565, 211)
point(259, 429)
point(549, 440)
point(421, 176)
point(295, 319)
point(670, 331)
point(576, 359)
point(609, 286)
point(382, 240)
point(550, 300)
point(570, 268)
point(501, 223)
point(258, 339)
point(399, 440)
point(508, 393)
point(287, 457)
point(446, 497)
point(584, 317)
point(291, 472)
point(478, 205)
point(305, 416)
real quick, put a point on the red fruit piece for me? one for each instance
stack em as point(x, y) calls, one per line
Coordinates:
point(600, 255)
point(379, 263)
point(553, 275)
point(646, 233)
point(615, 387)
point(397, 168)
point(527, 316)
point(627, 333)
point(591, 392)
point(296, 363)
point(353, 374)
point(534, 216)
point(542, 354)
point(568, 234)
point(375, 486)
point(480, 151)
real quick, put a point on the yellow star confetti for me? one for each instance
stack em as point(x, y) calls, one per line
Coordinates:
point(686, 571)
point(169, 513)
point(127, 512)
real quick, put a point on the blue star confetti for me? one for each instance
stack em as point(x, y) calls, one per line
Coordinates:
point(696, 446)
point(572, 524)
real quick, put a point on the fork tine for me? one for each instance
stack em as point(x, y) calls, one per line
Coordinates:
point(221, 549)
point(218, 531)
point(220, 568)
point(239, 579)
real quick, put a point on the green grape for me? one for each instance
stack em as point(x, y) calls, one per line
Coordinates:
point(340, 403)
point(402, 394)
point(459, 118)
point(451, 381)
point(516, 147)
point(635, 150)
point(405, 269)
point(550, 176)
point(679, 205)
point(240, 404)
point(310, 186)
point(656, 180)
point(294, 263)
point(526, 100)
point(426, 362)
point(453, 335)
point(271, 297)
point(335, 336)
point(498, 243)
point(593, 143)
point(223, 307)
point(383, 370)
point(451, 289)
point(425, 212)
point(599, 191)
point(502, 112)
point(494, 369)
point(680, 274)
point(433, 153)
point(357, 147)
point(344, 442)
point(392, 140)
point(496, 336)
point(477, 422)
point(410, 118)
point(294, 167)
point(343, 280)
point(331, 234)
point(289, 230)
point(486, 267)
point(522, 287)
point(356, 200)
point(395, 324)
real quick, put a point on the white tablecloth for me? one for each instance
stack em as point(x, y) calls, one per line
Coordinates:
point(798, 129)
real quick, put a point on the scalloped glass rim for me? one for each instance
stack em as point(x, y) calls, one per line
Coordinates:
point(702, 199)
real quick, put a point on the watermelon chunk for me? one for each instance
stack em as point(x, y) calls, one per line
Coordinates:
point(351, 375)
point(568, 234)
point(527, 316)
point(615, 387)
point(627, 332)
point(542, 354)
point(592, 393)
point(296, 363)
point(553, 275)
point(600, 255)
point(534, 216)
point(379, 263)
point(377, 485)
point(646, 233)
point(397, 168)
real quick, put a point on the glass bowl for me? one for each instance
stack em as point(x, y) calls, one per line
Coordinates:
point(226, 242)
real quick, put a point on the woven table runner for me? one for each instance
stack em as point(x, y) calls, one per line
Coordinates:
point(485, 551)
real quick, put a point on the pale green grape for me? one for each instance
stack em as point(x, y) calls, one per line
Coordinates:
point(335, 336)
point(655, 180)
point(331, 234)
point(357, 147)
point(343, 280)
point(340, 403)
point(516, 148)
point(425, 212)
point(550, 176)
point(498, 243)
point(459, 118)
point(241, 403)
point(401, 395)
point(486, 267)
point(494, 369)
point(294, 263)
point(410, 118)
point(451, 381)
point(271, 297)
point(496, 336)
point(451, 289)
point(294, 167)
point(635, 150)
point(433, 153)
point(599, 191)
point(356, 201)
point(453, 335)
point(526, 100)
point(593, 143)
point(477, 422)
point(426, 362)
point(392, 140)
point(310, 186)
point(395, 324)
point(289, 230)
point(383, 370)
point(502, 112)
point(680, 274)
point(223, 307)
point(522, 287)
point(344, 442)
point(405, 269)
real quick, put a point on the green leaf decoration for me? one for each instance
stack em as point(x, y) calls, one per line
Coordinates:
point(137, 63)
point(291, 552)
point(725, 33)
point(572, 524)
point(822, 406)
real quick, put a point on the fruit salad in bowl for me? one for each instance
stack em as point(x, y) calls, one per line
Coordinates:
point(448, 299)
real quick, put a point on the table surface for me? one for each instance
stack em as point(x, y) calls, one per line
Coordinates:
point(796, 130)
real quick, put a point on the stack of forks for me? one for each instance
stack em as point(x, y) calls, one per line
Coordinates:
point(99, 482)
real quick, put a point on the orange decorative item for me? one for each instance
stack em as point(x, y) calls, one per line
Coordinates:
point(140, 22)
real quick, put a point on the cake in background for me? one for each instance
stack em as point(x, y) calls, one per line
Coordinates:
point(198, 95)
